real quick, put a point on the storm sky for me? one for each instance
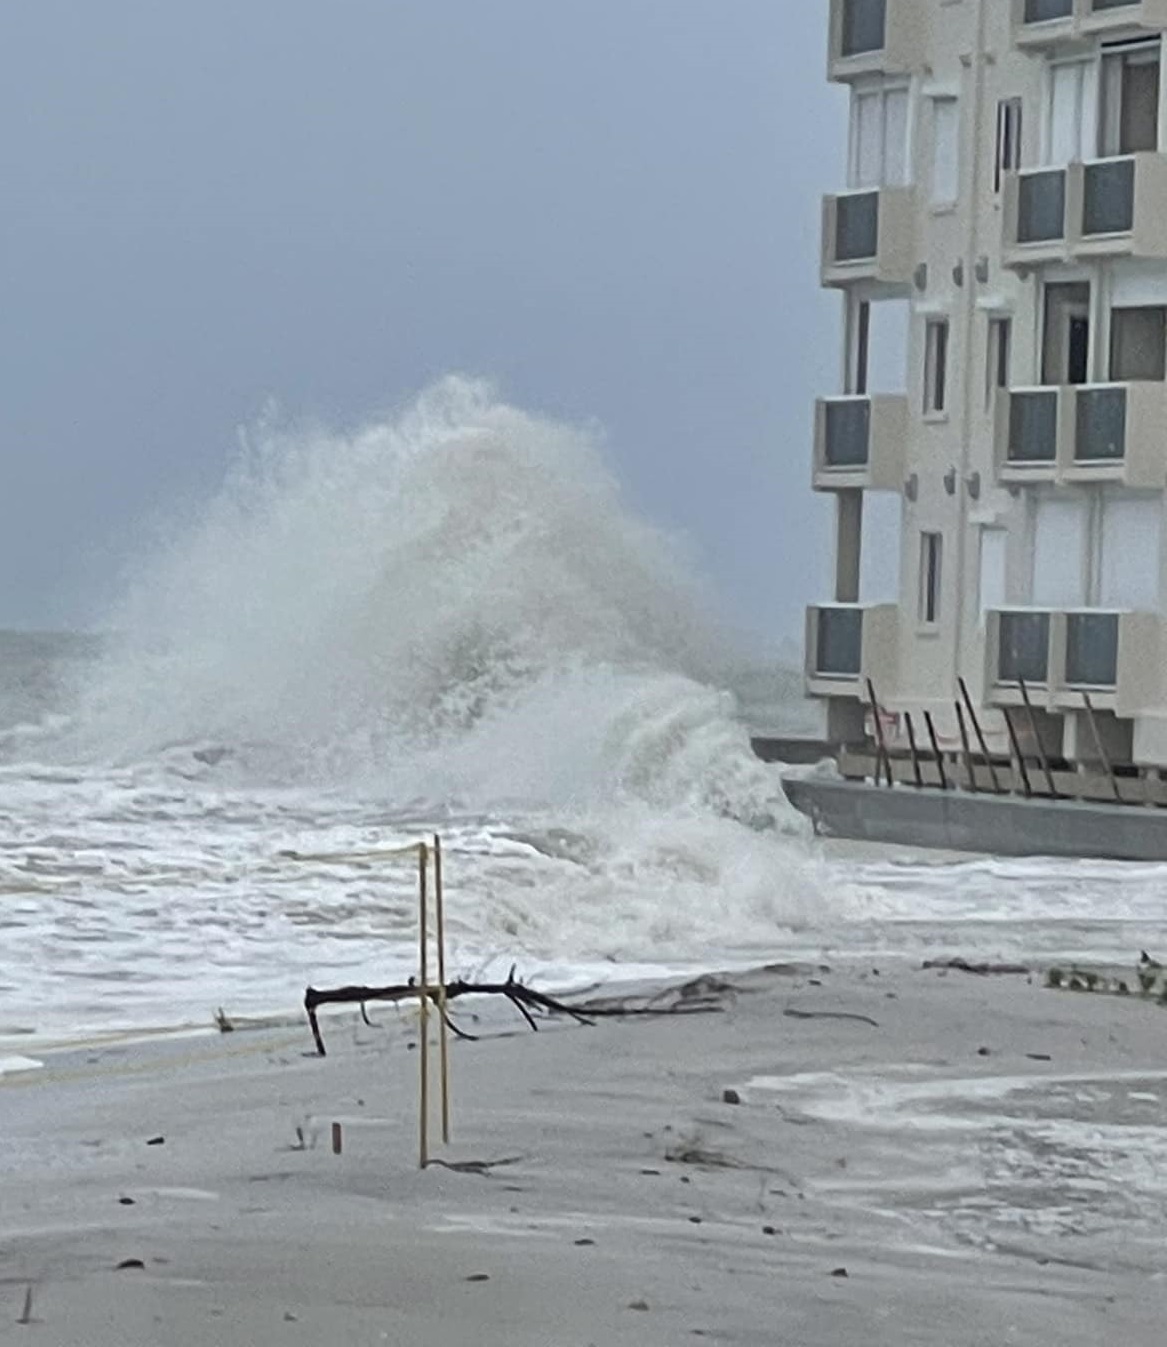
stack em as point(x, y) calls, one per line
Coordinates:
point(610, 207)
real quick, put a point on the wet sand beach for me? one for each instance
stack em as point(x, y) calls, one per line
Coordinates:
point(981, 1157)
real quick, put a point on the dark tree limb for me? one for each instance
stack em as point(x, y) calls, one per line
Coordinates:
point(525, 999)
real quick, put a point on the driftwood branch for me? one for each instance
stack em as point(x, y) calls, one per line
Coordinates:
point(692, 998)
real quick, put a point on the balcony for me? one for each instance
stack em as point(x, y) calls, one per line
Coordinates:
point(874, 37)
point(847, 643)
point(1043, 23)
point(1104, 208)
point(1086, 433)
point(859, 443)
point(1048, 23)
point(1110, 654)
point(868, 236)
point(1105, 17)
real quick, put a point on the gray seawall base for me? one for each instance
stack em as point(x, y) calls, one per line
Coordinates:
point(1000, 825)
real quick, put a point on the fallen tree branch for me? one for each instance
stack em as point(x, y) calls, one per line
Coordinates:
point(525, 999)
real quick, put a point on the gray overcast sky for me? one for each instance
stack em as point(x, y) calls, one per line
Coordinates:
point(610, 206)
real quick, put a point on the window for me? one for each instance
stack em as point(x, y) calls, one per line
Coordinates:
point(935, 366)
point(997, 357)
point(878, 154)
point(1129, 101)
point(1071, 127)
point(945, 151)
point(931, 550)
point(862, 347)
point(1138, 344)
point(1008, 140)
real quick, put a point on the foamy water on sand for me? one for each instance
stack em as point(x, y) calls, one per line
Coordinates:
point(447, 620)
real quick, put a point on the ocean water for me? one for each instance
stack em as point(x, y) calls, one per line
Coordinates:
point(446, 620)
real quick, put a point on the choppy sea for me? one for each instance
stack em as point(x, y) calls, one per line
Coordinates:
point(448, 621)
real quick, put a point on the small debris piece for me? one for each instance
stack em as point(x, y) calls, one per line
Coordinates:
point(156, 1141)
point(983, 1052)
point(289, 1317)
point(651, 1173)
point(792, 1014)
point(26, 1313)
point(1039, 1056)
point(478, 1277)
point(337, 1138)
point(977, 969)
point(585, 1243)
point(130, 1263)
point(730, 1097)
point(126, 1201)
point(222, 1023)
point(694, 1220)
point(640, 1305)
point(769, 1230)
point(839, 1272)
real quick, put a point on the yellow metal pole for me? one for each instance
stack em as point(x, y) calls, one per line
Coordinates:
point(444, 1028)
point(423, 992)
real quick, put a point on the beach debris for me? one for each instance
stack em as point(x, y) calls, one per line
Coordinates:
point(290, 1318)
point(482, 1167)
point(769, 1230)
point(840, 1272)
point(959, 965)
point(641, 1306)
point(156, 1141)
point(1039, 1056)
point(702, 995)
point(126, 1201)
point(478, 1277)
point(222, 1023)
point(26, 1312)
point(984, 1052)
point(130, 1263)
point(730, 1097)
point(792, 1014)
point(337, 1138)
point(585, 1243)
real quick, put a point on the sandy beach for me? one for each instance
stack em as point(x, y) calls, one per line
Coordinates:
point(929, 1157)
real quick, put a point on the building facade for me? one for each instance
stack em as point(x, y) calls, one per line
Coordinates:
point(997, 444)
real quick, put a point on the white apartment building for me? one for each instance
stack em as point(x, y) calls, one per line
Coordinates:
point(997, 443)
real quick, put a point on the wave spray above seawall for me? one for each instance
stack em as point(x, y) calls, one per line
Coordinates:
point(446, 619)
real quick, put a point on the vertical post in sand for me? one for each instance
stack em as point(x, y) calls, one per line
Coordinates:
point(968, 762)
point(980, 737)
point(936, 749)
point(423, 992)
point(444, 1027)
point(1040, 747)
point(1101, 747)
point(883, 755)
point(919, 775)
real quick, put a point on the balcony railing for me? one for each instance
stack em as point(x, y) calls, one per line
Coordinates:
point(1108, 203)
point(857, 227)
point(1041, 206)
point(1023, 646)
point(1100, 423)
point(847, 432)
point(864, 27)
point(1092, 650)
point(1033, 426)
point(839, 647)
